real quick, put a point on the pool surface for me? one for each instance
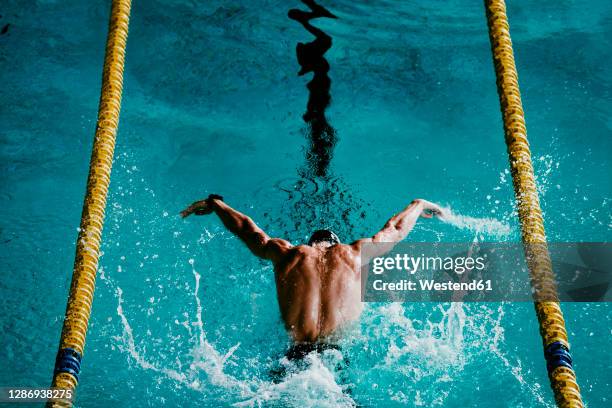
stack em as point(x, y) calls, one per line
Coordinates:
point(183, 314)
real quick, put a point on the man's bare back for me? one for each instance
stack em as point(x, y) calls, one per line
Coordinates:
point(318, 288)
point(318, 285)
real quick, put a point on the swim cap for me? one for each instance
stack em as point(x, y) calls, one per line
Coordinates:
point(323, 236)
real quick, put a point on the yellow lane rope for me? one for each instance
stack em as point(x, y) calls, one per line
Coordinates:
point(550, 317)
point(83, 283)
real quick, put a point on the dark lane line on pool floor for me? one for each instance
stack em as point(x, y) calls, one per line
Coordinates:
point(311, 58)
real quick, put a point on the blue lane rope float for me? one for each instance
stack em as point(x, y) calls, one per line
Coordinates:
point(557, 355)
point(68, 360)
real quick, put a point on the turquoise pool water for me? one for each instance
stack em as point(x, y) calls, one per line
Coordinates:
point(183, 314)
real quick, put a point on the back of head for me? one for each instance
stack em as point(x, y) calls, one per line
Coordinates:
point(323, 235)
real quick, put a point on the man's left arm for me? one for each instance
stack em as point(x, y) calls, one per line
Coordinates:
point(397, 228)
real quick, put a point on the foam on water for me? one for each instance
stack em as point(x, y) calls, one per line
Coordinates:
point(315, 386)
point(416, 349)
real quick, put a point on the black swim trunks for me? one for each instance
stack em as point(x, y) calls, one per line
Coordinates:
point(300, 350)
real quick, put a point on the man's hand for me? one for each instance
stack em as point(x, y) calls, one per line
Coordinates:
point(202, 207)
point(430, 209)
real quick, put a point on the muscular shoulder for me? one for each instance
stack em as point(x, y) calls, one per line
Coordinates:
point(347, 252)
point(301, 254)
point(299, 257)
point(302, 251)
point(277, 249)
point(348, 249)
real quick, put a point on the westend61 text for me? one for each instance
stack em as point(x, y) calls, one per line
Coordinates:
point(431, 285)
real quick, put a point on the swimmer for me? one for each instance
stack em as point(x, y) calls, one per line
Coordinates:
point(318, 284)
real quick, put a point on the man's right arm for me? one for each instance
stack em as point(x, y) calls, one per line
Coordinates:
point(242, 226)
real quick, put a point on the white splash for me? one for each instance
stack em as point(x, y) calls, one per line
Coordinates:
point(205, 357)
point(515, 367)
point(314, 386)
point(422, 343)
point(486, 226)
